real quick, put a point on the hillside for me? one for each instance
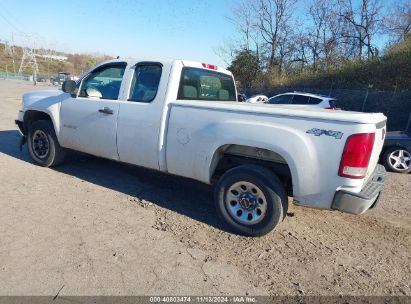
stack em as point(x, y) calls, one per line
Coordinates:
point(380, 85)
point(75, 64)
point(391, 71)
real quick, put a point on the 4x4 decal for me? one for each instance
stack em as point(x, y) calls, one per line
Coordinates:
point(319, 132)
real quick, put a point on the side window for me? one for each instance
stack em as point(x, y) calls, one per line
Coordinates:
point(144, 85)
point(201, 84)
point(282, 99)
point(104, 82)
point(314, 100)
point(300, 100)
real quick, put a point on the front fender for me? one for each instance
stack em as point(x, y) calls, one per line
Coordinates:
point(45, 101)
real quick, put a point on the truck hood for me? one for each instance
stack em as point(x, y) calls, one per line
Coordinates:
point(49, 97)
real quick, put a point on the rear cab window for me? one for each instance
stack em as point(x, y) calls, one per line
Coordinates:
point(202, 84)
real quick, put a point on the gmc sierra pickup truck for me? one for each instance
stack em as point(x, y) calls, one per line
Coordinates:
point(183, 118)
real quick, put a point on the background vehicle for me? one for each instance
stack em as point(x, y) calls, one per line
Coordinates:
point(257, 99)
point(59, 78)
point(241, 97)
point(183, 118)
point(308, 99)
point(396, 153)
point(41, 78)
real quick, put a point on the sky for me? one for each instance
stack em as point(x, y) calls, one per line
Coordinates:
point(184, 29)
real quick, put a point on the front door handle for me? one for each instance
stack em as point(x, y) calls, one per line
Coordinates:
point(106, 110)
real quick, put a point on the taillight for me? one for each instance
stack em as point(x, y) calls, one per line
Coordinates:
point(356, 155)
point(210, 66)
point(331, 108)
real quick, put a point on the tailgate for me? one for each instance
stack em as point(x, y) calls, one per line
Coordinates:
point(380, 132)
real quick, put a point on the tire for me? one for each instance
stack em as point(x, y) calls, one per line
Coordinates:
point(43, 145)
point(260, 194)
point(397, 159)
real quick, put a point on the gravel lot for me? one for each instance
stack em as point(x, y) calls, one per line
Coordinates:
point(95, 227)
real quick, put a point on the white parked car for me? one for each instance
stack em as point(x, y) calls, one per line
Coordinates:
point(183, 118)
point(306, 99)
point(257, 99)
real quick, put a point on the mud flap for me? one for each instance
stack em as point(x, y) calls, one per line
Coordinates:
point(23, 141)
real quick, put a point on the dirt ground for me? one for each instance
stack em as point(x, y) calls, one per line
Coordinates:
point(95, 227)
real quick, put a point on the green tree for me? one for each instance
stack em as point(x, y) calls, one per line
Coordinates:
point(246, 68)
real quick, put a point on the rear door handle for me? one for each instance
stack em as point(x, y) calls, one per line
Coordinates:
point(106, 110)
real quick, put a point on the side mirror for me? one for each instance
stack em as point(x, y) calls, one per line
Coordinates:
point(69, 86)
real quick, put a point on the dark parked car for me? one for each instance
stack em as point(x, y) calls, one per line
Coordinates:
point(59, 78)
point(396, 153)
point(41, 78)
point(241, 97)
point(303, 98)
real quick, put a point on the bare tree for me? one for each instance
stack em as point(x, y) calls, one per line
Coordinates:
point(318, 12)
point(398, 22)
point(242, 18)
point(300, 51)
point(273, 18)
point(363, 23)
point(286, 47)
point(320, 39)
point(226, 51)
point(333, 47)
point(335, 32)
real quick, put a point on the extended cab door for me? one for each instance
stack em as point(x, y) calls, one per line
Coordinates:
point(139, 120)
point(89, 121)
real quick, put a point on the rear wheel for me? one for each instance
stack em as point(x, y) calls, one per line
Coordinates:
point(251, 200)
point(398, 160)
point(43, 145)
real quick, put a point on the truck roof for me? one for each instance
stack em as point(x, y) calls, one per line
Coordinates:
point(189, 63)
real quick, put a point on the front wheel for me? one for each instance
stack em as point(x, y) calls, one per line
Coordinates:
point(43, 145)
point(398, 160)
point(251, 200)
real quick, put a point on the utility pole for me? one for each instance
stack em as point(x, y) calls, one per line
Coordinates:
point(28, 59)
point(10, 51)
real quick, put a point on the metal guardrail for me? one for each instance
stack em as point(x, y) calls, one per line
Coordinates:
point(15, 76)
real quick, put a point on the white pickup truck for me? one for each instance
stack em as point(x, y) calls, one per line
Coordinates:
point(182, 118)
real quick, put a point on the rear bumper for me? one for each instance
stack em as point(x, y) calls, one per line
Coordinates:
point(357, 203)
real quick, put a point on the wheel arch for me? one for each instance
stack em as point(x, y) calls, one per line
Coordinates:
point(396, 145)
point(228, 156)
point(33, 115)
